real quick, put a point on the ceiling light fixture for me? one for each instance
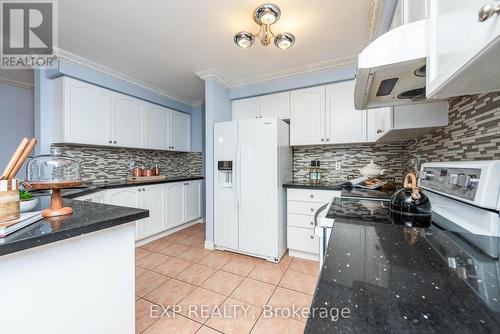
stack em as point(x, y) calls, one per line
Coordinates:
point(265, 15)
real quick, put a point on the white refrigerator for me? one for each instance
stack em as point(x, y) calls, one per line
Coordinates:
point(252, 161)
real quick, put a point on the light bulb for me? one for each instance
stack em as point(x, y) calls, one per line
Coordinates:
point(284, 44)
point(268, 18)
point(243, 43)
point(244, 39)
point(284, 40)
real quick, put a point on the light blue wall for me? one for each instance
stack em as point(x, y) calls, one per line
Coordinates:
point(341, 73)
point(65, 68)
point(16, 121)
point(217, 109)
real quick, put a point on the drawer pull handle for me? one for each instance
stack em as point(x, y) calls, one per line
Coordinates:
point(312, 209)
point(311, 223)
point(312, 237)
point(312, 196)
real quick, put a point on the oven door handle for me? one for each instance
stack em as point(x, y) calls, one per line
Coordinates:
point(318, 212)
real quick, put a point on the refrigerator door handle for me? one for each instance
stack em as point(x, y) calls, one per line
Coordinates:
point(235, 198)
point(238, 174)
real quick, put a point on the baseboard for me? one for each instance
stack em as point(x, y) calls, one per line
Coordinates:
point(209, 245)
point(303, 255)
point(154, 237)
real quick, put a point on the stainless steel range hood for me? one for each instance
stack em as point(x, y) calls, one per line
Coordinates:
point(391, 70)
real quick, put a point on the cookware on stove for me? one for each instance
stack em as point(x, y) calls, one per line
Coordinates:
point(410, 206)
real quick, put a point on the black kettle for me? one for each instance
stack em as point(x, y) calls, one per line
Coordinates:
point(410, 206)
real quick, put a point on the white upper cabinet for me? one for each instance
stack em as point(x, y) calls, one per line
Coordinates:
point(344, 123)
point(272, 105)
point(157, 127)
point(180, 134)
point(84, 112)
point(463, 51)
point(129, 121)
point(379, 122)
point(245, 108)
point(275, 105)
point(87, 114)
point(307, 116)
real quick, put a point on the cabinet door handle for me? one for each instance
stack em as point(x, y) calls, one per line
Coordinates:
point(312, 209)
point(488, 11)
point(143, 189)
point(139, 189)
point(311, 223)
point(322, 139)
point(380, 131)
point(327, 139)
point(312, 196)
point(312, 237)
point(110, 141)
point(114, 142)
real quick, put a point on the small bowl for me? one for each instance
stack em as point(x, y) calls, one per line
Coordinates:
point(27, 206)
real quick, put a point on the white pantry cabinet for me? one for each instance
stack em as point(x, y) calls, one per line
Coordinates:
point(272, 105)
point(169, 204)
point(83, 113)
point(463, 49)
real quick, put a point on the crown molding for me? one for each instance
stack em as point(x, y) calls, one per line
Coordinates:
point(297, 71)
point(373, 17)
point(197, 103)
point(213, 74)
point(16, 83)
point(76, 59)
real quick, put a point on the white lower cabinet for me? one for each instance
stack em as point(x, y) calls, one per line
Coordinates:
point(176, 204)
point(302, 205)
point(169, 204)
point(98, 197)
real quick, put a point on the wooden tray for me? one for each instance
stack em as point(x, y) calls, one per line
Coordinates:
point(146, 178)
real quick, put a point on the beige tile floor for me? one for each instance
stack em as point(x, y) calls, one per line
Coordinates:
point(177, 273)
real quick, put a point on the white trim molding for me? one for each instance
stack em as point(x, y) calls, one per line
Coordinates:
point(279, 75)
point(213, 74)
point(209, 245)
point(76, 59)
point(16, 83)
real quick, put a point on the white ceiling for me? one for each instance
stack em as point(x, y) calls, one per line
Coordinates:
point(164, 42)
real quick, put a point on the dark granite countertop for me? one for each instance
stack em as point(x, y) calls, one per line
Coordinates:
point(318, 186)
point(394, 279)
point(86, 218)
point(91, 187)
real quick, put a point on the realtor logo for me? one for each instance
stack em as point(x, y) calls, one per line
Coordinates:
point(28, 33)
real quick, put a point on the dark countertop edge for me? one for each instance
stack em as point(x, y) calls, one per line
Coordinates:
point(26, 244)
point(326, 186)
point(93, 188)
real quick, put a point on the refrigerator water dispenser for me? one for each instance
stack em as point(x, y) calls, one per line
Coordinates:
point(225, 173)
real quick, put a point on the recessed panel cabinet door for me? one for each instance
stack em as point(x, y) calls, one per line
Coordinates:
point(176, 204)
point(154, 201)
point(193, 200)
point(245, 108)
point(307, 118)
point(379, 122)
point(275, 105)
point(129, 197)
point(180, 138)
point(88, 115)
point(344, 123)
point(157, 127)
point(129, 122)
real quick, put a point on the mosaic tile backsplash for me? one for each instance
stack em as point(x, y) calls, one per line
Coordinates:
point(473, 133)
point(351, 157)
point(113, 163)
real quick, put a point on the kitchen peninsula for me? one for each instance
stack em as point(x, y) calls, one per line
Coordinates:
point(78, 269)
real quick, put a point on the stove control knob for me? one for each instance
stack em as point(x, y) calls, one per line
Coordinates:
point(424, 175)
point(453, 179)
point(464, 181)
